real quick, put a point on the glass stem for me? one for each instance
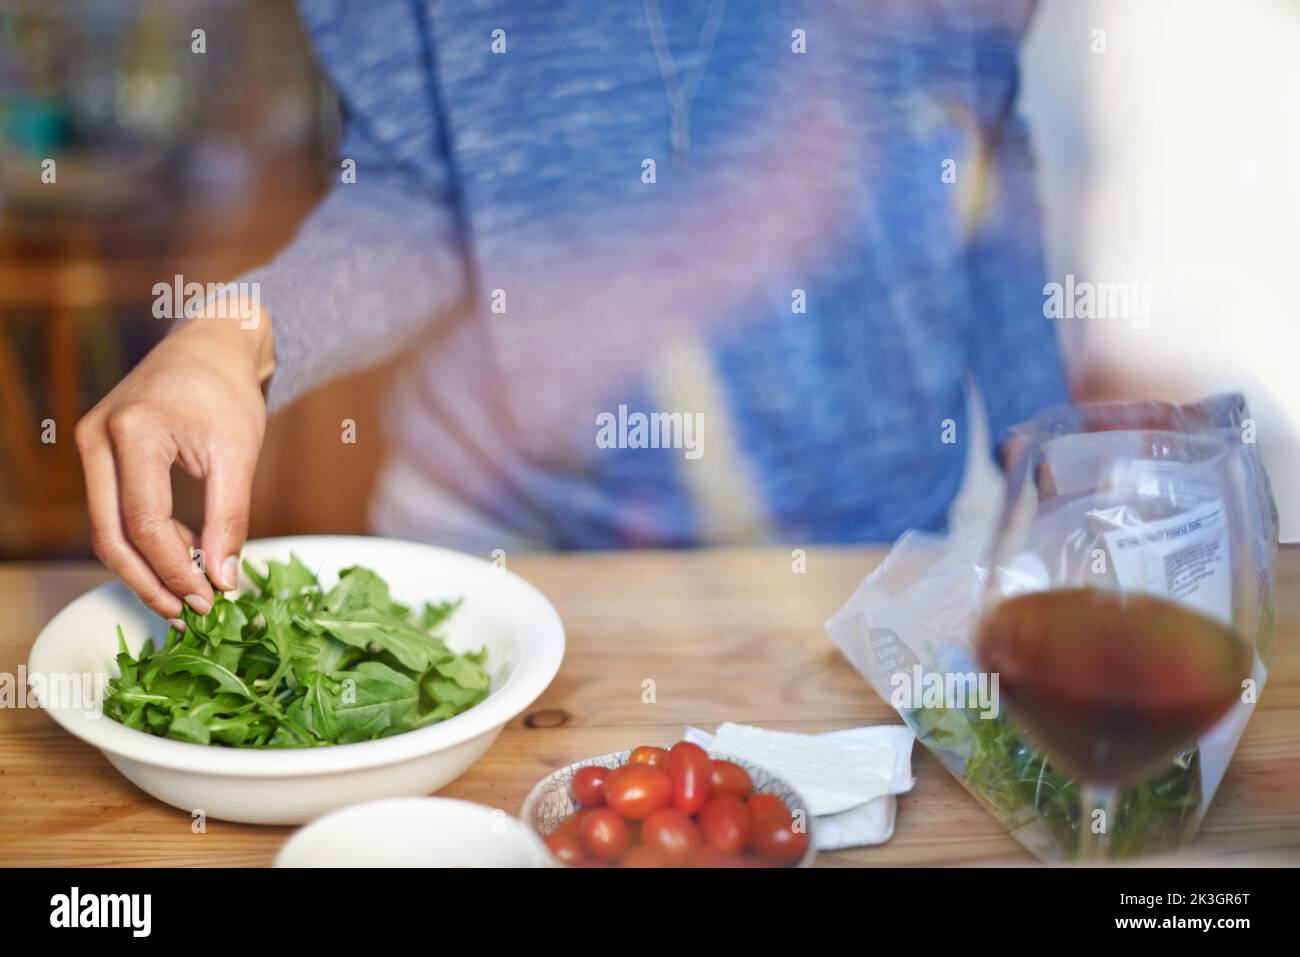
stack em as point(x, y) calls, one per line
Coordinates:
point(1098, 804)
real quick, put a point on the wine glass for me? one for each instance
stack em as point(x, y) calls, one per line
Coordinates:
point(1123, 598)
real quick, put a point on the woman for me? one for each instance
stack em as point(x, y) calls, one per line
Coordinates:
point(661, 277)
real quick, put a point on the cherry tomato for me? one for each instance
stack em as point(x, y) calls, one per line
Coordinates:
point(570, 825)
point(777, 842)
point(687, 747)
point(706, 855)
point(724, 822)
point(760, 806)
point(588, 786)
point(727, 777)
point(566, 847)
point(655, 757)
point(637, 790)
point(671, 832)
point(690, 769)
point(603, 834)
point(641, 855)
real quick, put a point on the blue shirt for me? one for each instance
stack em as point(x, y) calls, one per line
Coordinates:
point(802, 225)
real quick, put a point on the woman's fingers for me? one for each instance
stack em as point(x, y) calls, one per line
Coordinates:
point(106, 533)
point(144, 458)
point(226, 503)
point(185, 532)
point(195, 399)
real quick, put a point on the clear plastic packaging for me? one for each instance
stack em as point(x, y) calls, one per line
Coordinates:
point(1151, 498)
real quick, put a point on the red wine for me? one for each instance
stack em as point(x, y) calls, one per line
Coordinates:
point(1111, 685)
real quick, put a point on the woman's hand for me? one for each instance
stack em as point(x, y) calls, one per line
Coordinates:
point(195, 399)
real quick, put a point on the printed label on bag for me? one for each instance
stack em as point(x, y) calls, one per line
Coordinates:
point(1184, 558)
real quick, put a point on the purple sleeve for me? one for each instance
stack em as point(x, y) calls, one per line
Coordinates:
point(380, 259)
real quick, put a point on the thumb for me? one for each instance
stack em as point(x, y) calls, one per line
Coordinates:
point(226, 498)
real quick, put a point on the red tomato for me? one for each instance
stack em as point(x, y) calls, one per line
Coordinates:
point(777, 842)
point(724, 822)
point(571, 823)
point(727, 777)
point(588, 786)
point(637, 790)
point(690, 769)
point(566, 847)
point(706, 855)
point(603, 834)
point(687, 747)
point(655, 757)
point(671, 832)
point(641, 855)
point(766, 805)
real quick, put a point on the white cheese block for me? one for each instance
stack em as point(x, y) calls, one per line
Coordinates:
point(832, 775)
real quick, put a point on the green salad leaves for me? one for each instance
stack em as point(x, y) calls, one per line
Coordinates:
point(293, 666)
point(1018, 784)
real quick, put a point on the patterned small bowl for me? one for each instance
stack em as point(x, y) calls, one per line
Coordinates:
point(550, 801)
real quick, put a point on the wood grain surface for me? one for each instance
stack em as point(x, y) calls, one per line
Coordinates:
point(726, 635)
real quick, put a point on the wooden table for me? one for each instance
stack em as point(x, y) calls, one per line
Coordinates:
point(725, 635)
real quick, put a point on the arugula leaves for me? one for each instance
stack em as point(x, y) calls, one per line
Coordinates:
point(291, 665)
point(1017, 783)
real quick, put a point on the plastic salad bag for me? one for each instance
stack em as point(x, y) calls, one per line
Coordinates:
point(909, 627)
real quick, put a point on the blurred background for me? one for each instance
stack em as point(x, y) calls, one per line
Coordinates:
point(1168, 137)
point(187, 165)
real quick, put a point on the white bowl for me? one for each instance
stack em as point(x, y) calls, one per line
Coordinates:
point(522, 632)
point(415, 832)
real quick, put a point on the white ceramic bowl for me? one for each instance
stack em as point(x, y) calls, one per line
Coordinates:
point(415, 832)
point(522, 632)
